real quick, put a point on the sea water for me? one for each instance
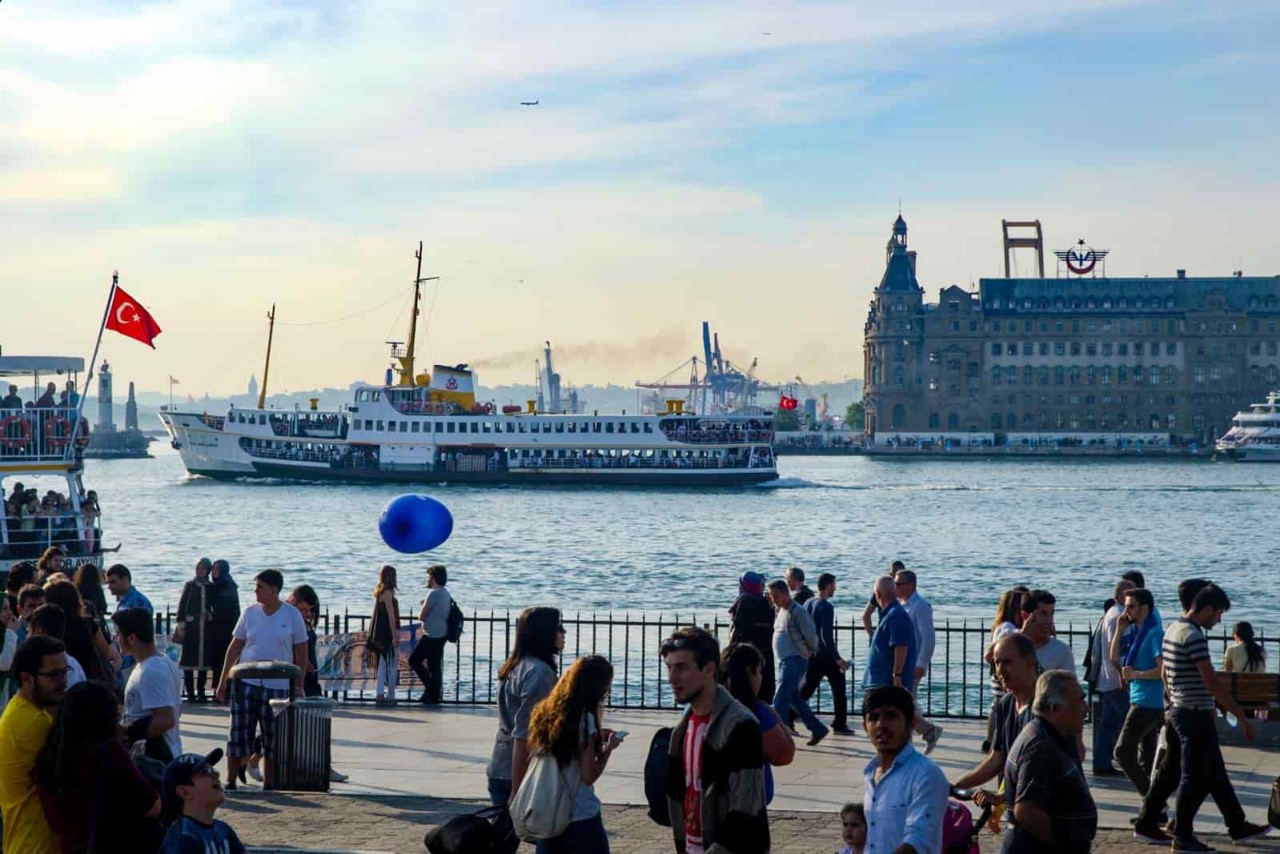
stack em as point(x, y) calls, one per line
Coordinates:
point(969, 528)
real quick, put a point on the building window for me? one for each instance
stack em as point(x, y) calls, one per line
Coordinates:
point(1091, 375)
point(1075, 375)
point(1106, 326)
point(1044, 348)
point(997, 375)
point(1059, 375)
point(1028, 348)
point(1059, 348)
point(1093, 326)
point(1155, 348)
point(996, 349)
point(1199, 376)
point(1271, 348)
point(1075, 348)
point(1106, 375)
point(1028, 375)
point(1091, 349)
point(1106, 349)
point(953, 422)
point(1137, 348)
point(1215, 373)
point(954, 326)
point(1122, 375)
point(933, 421)
point(1199, 348)
point(1044, 375)
point(995, 325)
point(1271, 374)
point(1075, 327)
point(1122, 349)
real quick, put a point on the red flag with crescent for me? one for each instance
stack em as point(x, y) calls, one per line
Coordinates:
point(129, 318)
point(787, 402)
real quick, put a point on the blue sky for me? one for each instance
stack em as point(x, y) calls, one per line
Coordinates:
point(681, 166)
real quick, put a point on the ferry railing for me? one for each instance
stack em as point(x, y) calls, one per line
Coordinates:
point(957, 685)
point(41, 435)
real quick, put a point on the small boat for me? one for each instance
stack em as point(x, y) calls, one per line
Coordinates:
point(1254, 436)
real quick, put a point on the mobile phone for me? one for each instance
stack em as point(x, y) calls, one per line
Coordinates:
point(619, 735)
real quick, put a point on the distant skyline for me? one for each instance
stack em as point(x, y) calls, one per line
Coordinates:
point(740, 164)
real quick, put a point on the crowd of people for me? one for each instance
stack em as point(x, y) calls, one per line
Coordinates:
point(34, 523)
point(42, 425)
point(91, 751)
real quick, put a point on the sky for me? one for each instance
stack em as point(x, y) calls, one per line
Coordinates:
point(736, 163)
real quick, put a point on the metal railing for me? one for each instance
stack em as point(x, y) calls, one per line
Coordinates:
point(41, 434)
point(958, 684)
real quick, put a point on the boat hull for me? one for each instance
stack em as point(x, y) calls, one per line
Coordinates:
point(1251, 453)
point(530, 477)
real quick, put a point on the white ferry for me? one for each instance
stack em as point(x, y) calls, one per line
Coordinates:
point(429, 428)
point(42, 463)
point(1254, 435)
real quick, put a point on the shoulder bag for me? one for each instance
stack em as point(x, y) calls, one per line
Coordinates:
point(543, 805)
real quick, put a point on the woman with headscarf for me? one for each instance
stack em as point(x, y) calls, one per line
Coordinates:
point(753, 623)
point(224, 613)
point(191, 629)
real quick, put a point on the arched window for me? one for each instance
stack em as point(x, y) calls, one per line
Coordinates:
point(1106, 302)
point(933, 421)
point(899, 418)
point(953, 422)
point(1026, 303)
point(1091, 303)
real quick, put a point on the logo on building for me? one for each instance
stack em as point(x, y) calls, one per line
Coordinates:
point(1082, 260)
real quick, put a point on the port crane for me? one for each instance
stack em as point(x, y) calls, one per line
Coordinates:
point(722, 388)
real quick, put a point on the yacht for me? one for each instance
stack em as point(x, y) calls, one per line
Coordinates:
point(1254, 435)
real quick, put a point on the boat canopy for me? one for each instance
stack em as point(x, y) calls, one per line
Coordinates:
point(29, 365)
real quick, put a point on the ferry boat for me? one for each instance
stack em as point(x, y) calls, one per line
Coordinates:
point(1254, 435)
point(41, 452)
point(430, 428)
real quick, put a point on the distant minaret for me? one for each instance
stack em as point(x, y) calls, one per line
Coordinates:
point(105, 421)
point(253, 389)
point(131, 411)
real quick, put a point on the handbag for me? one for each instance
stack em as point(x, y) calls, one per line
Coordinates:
point(656, 768)
point(489, 831)
point(543, 805)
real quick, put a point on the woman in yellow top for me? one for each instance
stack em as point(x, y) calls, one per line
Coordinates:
point(1246, 655)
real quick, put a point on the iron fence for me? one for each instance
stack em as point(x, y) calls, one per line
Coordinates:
point(957, 685)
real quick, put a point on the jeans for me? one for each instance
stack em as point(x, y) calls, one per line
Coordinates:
point(1136, 748)
point(825, 665)
point(499, 792)
point(1112, 708)
point(791, 673)
point(1203, 771)
point(580, 837)
point(430, 650)
point(388, 673)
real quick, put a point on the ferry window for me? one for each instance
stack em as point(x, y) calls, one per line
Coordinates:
point(608, 428)
point(450, 428)
point(559, 426)
point(391, 425)
point(439, 426)
point(573, 426)
point(404, 426)
point(475, 427)
point(648, 428)
point(262, 419)
point(375, 395)
point(511, 428)
point(488, 428)
point(595, 428)
point(523, 429)
point(379, 425)
point(585, 428)
point(416, 428)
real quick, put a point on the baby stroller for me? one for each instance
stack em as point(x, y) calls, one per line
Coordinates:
point(959, 830)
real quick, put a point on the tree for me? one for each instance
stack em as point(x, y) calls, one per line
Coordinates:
point(786, 420)
point(855, 417)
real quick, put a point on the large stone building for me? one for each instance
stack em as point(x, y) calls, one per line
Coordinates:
point(1071, 359)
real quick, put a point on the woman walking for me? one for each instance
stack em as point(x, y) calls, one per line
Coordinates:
point(224, 613)
point(567, 725)
point(93, 797)
point(525, 679)
point(742, 673)
point(1246, 655)
point(384, 634)
point(192, 631)
point(753, 616)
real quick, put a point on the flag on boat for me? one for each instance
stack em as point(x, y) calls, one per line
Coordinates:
point(130, 319)
point(173, 381)
point(788, 402)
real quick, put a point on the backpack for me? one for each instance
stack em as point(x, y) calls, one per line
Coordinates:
point(543, 805)
point(958, 830)
point(488, 831)
point(1273, 811)
point(453, 631)
point(655, 776)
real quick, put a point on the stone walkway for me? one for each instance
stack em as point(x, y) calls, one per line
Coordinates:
point(412, 767)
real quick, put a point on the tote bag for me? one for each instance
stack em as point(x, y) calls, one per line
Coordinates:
point(544, 803)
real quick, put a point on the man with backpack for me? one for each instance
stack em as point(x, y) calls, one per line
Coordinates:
point(428, 656)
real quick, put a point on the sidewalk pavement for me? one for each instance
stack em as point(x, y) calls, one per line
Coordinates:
point(411, 766)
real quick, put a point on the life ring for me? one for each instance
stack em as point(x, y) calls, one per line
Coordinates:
point(15, 442)
point(57, 432)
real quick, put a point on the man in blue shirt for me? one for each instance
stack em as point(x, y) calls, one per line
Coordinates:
point(1139, 666)
point(827, 662)
point(120, 583)
point(892, 659)
point(905, 798)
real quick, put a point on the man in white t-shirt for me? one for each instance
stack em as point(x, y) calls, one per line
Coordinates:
point(153, 694)
point(269, 630)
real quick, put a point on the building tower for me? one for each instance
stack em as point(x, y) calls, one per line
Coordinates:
point(253, 389)
point(893, 339)
point(105, 419)
point(131, 411)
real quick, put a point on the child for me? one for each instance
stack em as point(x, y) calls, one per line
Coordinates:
point(854, 834)
point(193, 792)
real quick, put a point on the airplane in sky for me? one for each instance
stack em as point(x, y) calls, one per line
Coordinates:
point(529, 103)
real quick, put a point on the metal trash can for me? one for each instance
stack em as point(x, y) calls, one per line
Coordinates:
point(303, 727)
point(303, 754)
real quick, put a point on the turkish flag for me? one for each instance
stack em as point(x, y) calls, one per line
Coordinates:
point(787, 402)
point(129, 318)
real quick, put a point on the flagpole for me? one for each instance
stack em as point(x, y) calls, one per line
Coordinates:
point(93, 361)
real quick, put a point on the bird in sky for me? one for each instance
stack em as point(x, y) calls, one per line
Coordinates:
point(529, 103)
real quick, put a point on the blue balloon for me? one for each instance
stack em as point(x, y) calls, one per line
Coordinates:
point(415, 523)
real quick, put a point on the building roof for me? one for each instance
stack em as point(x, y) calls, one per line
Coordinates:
point(1241, 293)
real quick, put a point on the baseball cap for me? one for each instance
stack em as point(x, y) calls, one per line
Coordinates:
point(180, 771)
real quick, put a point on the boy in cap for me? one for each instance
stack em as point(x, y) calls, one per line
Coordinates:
point(192, 790)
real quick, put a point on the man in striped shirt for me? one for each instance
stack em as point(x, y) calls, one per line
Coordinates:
point(1192, 688)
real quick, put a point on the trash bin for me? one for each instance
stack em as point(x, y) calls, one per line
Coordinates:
point(303, 727)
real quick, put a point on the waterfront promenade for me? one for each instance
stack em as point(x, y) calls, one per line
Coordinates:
point(412, 768)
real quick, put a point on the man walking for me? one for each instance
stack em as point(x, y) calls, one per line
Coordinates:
point(434, 617)
point(40, 670)
point(795, 583)
point(153, 694)
point(120, 583)
point(1045, 787)
point(1140, 670)
point(892, 657)
point(827, 663)
point(921, 614)
point(1192, 688)
point(268, 630)
point(905, 797)
point(715, 780)
point(1038, 608)
point(794, 642)
point(1014, 658)
point(1113, 699)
